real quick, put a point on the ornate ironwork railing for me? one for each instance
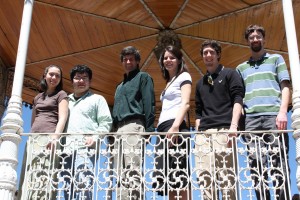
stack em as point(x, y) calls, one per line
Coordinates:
point(203, 165)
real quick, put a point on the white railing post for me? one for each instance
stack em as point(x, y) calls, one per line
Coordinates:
point(295, 71)
point(12, 122)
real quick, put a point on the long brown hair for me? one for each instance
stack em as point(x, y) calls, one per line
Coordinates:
point(178, 54)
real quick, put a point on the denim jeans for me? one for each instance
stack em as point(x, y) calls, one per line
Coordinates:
point(260, 162)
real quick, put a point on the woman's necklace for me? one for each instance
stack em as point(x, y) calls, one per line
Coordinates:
point(172, 80)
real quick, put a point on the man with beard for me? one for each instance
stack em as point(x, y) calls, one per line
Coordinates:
point(267, 85)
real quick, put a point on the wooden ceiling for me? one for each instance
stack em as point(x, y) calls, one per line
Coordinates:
point(93, 32)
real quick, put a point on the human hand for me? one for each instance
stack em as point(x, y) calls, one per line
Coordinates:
point(171, 136)
point(51, 145)
point(232, 134)
point(89, 141)
point(281, 121)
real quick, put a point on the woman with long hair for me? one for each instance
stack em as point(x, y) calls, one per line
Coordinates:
point(49, 115)
point(50, 108)
point(175, 100)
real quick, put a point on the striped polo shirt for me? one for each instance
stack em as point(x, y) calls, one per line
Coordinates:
point(262, 84)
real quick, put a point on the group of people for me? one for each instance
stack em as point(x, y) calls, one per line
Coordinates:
point(258, 89)
point(254, 97)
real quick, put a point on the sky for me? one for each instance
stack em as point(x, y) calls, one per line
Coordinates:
point(26, 116)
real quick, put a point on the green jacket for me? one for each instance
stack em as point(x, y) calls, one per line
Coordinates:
point(134, 97)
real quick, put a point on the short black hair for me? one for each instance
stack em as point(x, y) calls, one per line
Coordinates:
point(81, 69)
point(253, 27)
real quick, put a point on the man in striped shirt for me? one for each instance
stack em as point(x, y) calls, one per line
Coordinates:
point(267, 86)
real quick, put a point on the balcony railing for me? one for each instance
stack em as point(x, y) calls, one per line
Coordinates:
point(204, 164)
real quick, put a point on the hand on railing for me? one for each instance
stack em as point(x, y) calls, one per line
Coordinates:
point(89, 141)
point(281, 121)
point(233, 129)
point(174, 140)
point(51, 145)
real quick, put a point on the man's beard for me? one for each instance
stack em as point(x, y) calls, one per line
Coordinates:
point(256, 48)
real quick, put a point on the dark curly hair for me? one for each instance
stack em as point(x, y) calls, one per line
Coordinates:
point(214, 44)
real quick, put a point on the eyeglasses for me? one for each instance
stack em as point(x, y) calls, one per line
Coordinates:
point(258, 37)
point(85, 78)
point(210, 80)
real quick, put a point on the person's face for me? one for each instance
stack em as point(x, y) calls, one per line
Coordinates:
point(170, 63)
point(53, 77)
point(210, 58)
point(129, 63)
point(81, 84)
point(256, 41)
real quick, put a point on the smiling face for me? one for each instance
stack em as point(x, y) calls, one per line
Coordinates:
point(81, 84)
point(170, 63)
point(210, 58)
point(256, 41)
point(52, 78)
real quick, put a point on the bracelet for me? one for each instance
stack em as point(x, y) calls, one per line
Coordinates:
point(233, 124)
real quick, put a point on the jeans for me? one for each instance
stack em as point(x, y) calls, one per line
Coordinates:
point(267, 163)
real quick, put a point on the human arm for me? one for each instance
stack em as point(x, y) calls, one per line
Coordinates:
point(281, 119)
point(197, 124)
point(63, 113)
point(198, 106)
point(33, 115)
point(236, 114)
point(185, 105)
point(237, 93)
point(104, 120)
point(148, 98)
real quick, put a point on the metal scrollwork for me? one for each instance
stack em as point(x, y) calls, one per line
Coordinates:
point(209, 165)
